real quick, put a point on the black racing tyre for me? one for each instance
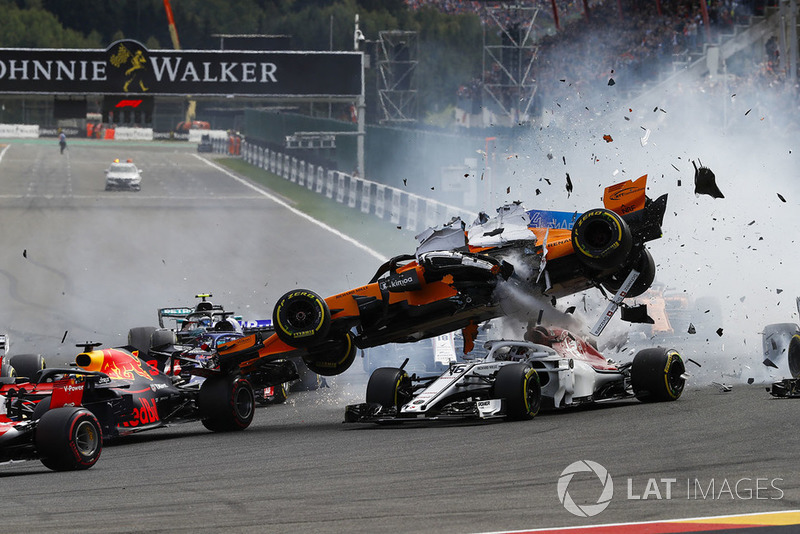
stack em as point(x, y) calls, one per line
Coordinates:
point(657, 375)
point(601, 239)
point(301, 318)
point(42, 407)
point(226, 403)
point(139, 338)
point(647, 274)
point(334, 358)
point(518, 384)
point(27, 365)
point(390, 387)
point(69, 439)
point(161, 337)
point(793, 356)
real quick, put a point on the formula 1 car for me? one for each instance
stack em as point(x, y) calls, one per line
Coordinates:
point(187, 353)
point(450, 282)
point(128, 395)
point(554, 371)
point(790, 387)
point(66, 438)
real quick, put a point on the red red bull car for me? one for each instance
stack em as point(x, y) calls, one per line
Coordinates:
point(67, 437)
point(125, 395)
point(452, 280)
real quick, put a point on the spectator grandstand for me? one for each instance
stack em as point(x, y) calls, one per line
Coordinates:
point(624, 43)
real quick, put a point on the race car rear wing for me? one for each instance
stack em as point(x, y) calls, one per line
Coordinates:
point(180, 314)
point(643, 215)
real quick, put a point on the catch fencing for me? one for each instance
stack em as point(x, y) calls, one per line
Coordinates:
point(405, 210)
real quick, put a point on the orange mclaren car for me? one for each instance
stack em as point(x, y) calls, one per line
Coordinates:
point(450, 282)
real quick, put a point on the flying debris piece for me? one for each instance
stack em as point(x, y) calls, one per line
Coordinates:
point(569, 184)
point(539, 318)
point(751, 223)
point(769, 363)
point(564, 159)
point(779, 291)
point(723, 387)
point(508, 190)
point(679, 183)
point(538, 192)
point(614, 303)
point(607, 138)
point(399, 227)
point(405, 181)
point(65, 335)
point(611, 81)
point(646, 137)
point(719, 332)
point(692, 329)
point(655, 109)
point(465, 176)
point(750, 381)
point(746, 113)
point(25, 253)
point(548, 181)
point(676, 168)
point(432, 188)
point(636, 314)
point(570, 310)
point(562, 80)
point(705, 182)
point(549, 156)
point(781, 197)
point(694, 362)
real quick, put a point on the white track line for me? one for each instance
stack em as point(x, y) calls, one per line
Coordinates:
point(305, 216)
point(3, 152)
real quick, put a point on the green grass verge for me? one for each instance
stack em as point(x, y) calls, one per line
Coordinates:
point(378, 234)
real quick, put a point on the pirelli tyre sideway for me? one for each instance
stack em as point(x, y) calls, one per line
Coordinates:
point(601, 239)
point(69, 439)
point(794, 356)
point(518, 384)
point(390, 387)
point(657, 375)
point(227, 403)
point(301, 318)
point(334, 357)
point(27, 365)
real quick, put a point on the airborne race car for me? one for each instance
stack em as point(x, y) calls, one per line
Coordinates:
point(450, 282)
point(517, 378)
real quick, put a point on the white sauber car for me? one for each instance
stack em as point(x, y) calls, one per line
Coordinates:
point(556, 370)
point(123, 176)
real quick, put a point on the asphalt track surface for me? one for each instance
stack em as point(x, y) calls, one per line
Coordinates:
point(84, 264)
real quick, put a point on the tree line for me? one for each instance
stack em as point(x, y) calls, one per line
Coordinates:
point(450, 46)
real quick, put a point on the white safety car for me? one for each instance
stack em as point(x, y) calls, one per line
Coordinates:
point(123, 175)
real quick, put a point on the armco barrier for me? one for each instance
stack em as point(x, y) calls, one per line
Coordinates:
point(407, 210)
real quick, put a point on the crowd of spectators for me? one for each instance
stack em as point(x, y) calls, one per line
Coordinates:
point(628, 44)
